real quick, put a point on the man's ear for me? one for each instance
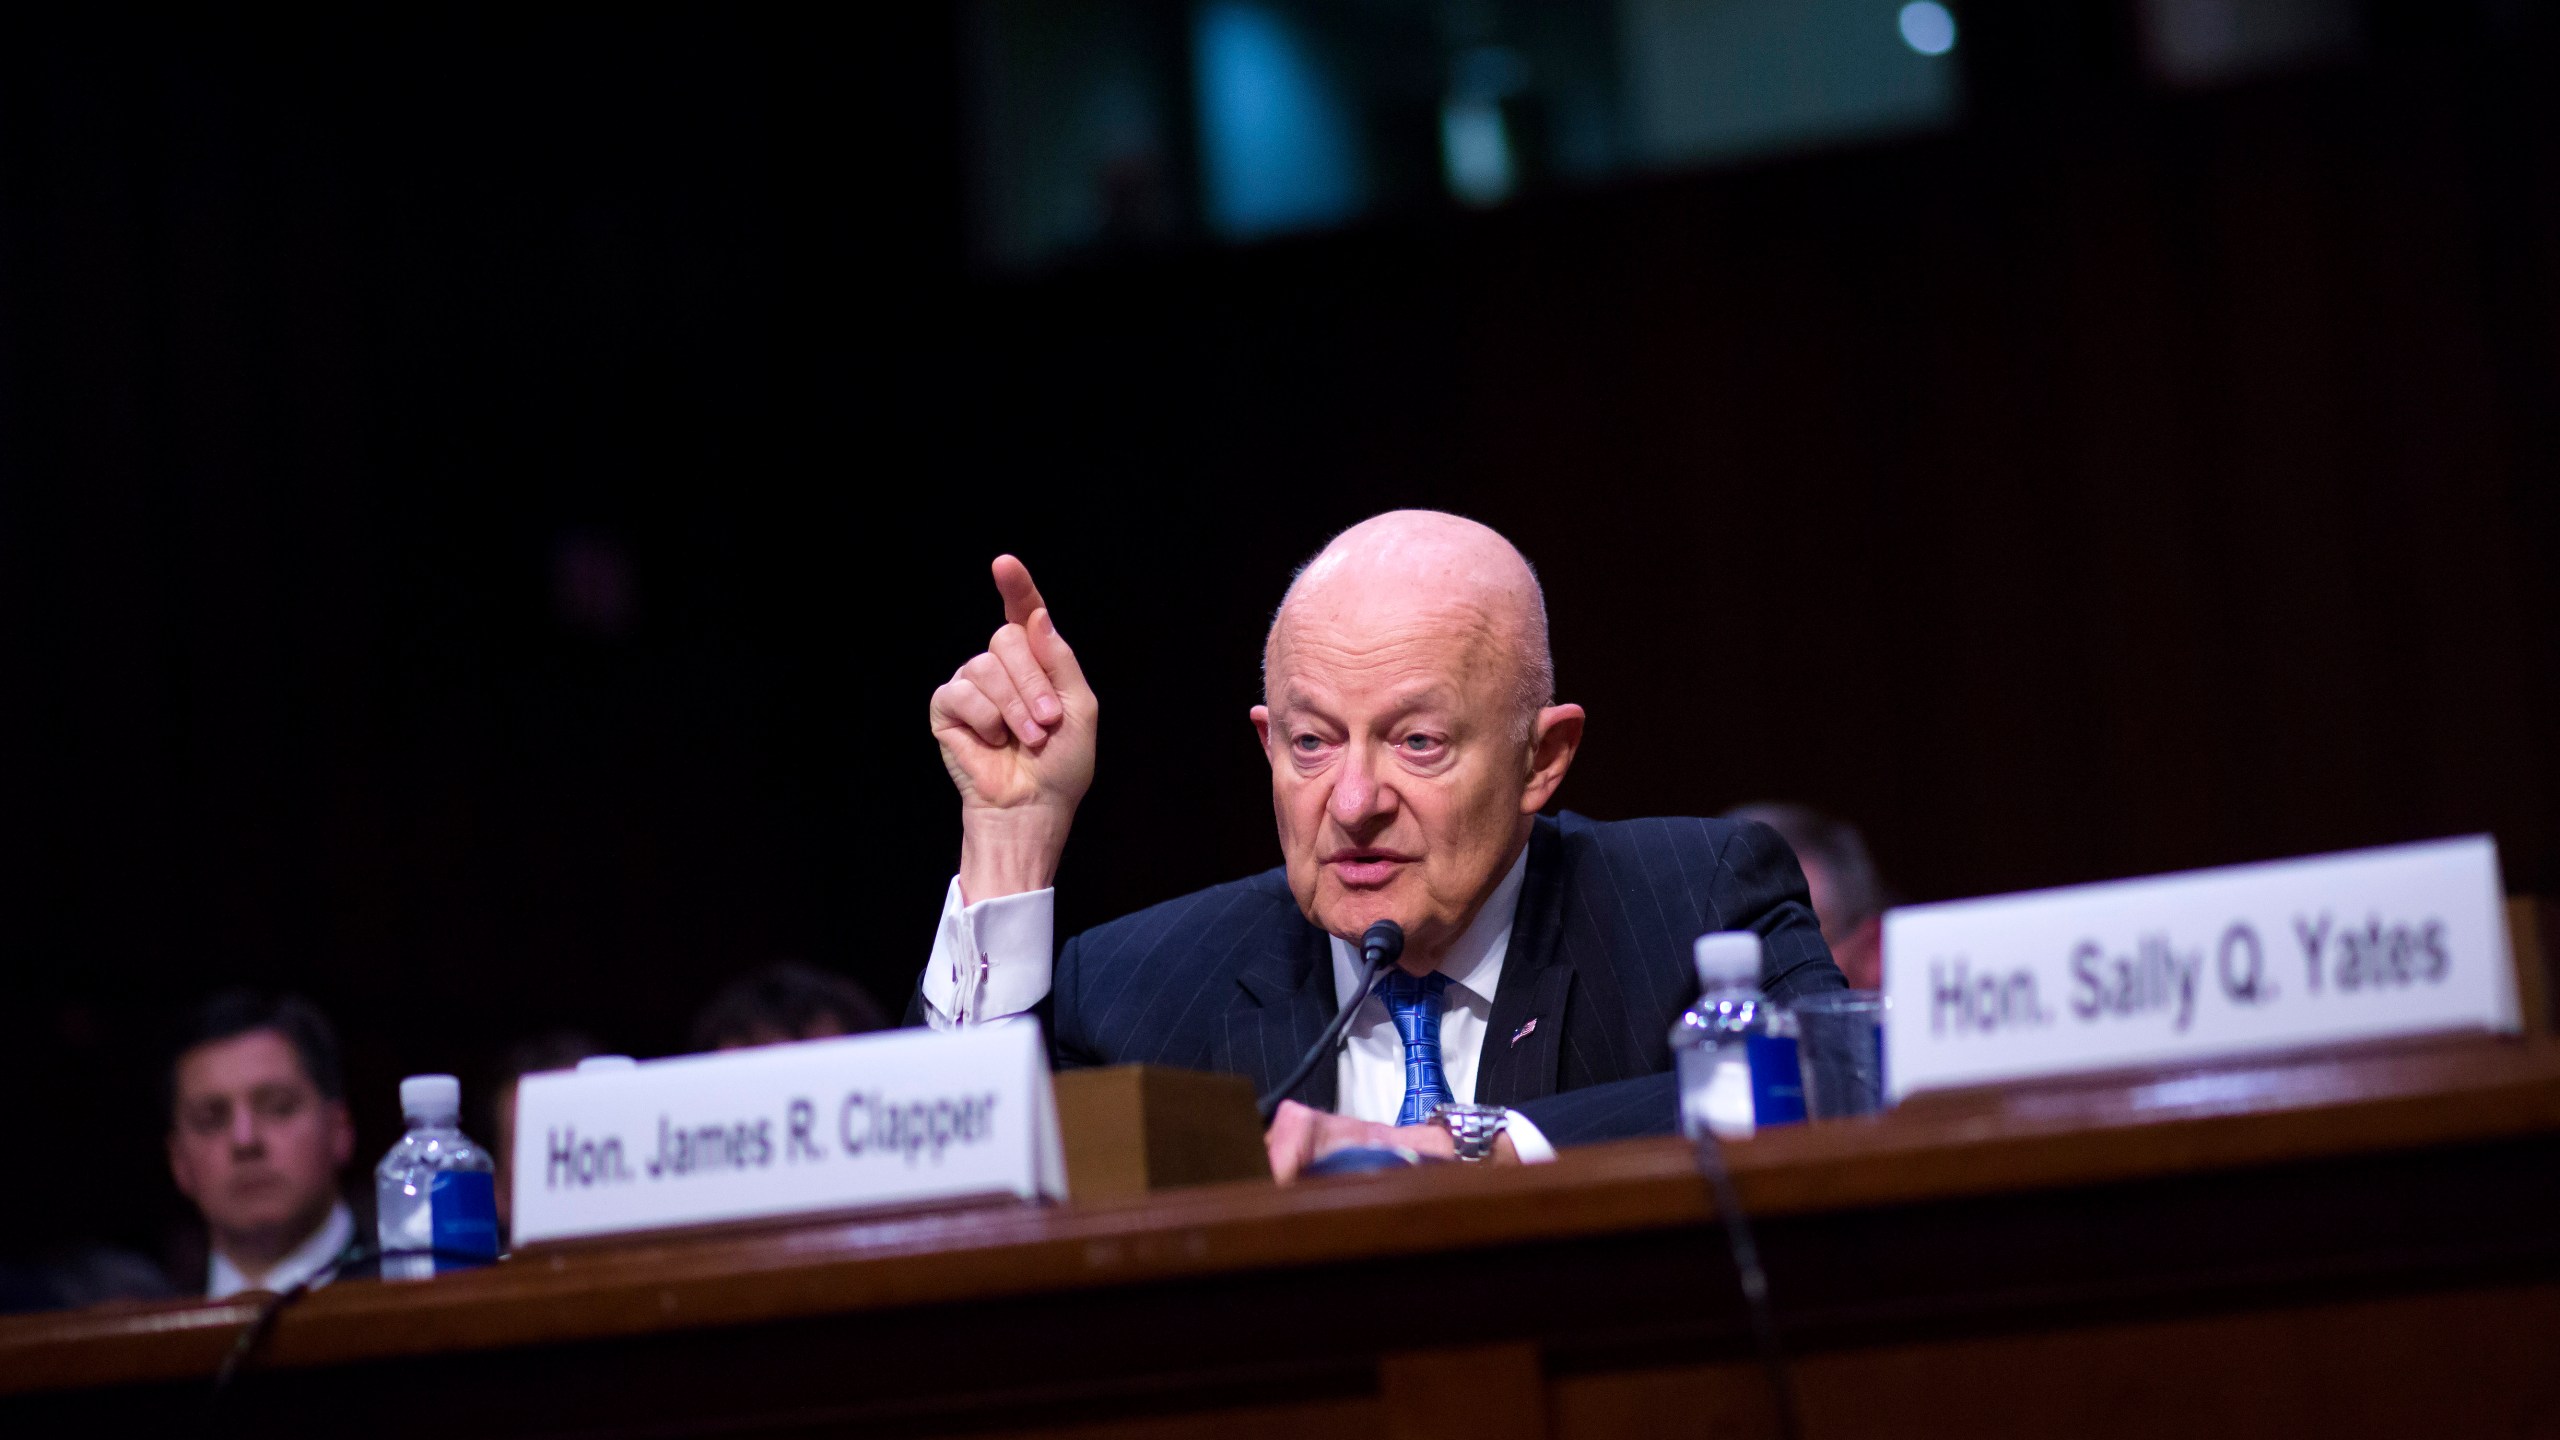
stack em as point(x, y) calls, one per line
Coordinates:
point(1552, 744)
point(1262, 726)
point(342, 1133)
point(182, 1171)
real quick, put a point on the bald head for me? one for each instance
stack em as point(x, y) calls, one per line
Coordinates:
point(1427, 568)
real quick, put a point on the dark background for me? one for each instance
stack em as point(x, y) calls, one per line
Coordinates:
point(2130, 479)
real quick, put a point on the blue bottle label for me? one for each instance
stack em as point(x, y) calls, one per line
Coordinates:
point(1777, 1086)
point(462, 1210)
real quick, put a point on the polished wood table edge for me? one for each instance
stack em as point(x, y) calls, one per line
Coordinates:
point(1935, 1148)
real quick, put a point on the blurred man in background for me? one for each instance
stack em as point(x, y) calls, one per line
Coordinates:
point(258, 1132)
point(785, 1002)
point(1848, 898)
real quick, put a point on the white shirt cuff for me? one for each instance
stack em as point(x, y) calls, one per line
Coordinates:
point(990, 960)
point(1527, 1139)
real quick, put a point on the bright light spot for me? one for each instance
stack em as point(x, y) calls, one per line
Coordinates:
point(1928, 28)
point(1279, 146)
point(1475, 152)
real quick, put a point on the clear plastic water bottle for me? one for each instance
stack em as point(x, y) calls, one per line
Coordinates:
point(1735, 1048)
point(437, 1190)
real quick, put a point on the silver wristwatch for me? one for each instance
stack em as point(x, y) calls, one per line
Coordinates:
point(1472, 1128)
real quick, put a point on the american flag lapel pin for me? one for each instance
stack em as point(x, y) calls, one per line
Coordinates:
point(1523, 1032)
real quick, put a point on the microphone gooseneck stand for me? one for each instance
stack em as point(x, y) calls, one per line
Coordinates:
point(358, 1253)
point(1755, 1280)
point(1379, 947)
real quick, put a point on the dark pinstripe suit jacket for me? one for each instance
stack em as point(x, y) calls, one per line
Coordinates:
point(1234, 978)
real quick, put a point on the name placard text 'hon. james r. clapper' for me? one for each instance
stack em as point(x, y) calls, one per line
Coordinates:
point(897, 1119)
point(2404, 940)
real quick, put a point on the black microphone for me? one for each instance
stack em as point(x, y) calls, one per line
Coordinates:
point(1383, 945)
point(1380, 944)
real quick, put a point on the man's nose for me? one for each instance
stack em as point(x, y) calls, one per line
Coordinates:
point(1359, 801)
point(245, 1134)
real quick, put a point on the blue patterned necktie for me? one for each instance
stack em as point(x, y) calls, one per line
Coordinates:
point(1414, 1004)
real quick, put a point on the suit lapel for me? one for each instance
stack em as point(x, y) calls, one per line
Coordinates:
point(1286, 1001)
point(1524, 1036)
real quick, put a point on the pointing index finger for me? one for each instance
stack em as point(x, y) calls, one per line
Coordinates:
point(1021, 597)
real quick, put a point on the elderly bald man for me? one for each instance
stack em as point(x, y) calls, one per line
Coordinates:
point(1410, 725)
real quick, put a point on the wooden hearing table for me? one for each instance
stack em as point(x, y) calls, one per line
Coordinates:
point(2365, 1244)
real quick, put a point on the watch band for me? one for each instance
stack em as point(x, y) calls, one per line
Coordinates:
point(1472, 1128)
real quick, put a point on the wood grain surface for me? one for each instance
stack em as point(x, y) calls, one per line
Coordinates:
point(2002, 1212)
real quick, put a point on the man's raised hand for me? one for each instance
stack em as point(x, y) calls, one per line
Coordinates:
point(1016, 726)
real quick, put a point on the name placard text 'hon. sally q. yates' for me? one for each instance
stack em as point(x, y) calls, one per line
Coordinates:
point(2404, 940)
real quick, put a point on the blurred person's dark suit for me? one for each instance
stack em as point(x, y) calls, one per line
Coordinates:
point(72, 1276)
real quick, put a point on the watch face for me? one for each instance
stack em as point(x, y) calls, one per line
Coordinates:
point(1472, 1128)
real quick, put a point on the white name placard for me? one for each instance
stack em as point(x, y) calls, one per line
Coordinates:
point(898, 1118)
point(2410, 939)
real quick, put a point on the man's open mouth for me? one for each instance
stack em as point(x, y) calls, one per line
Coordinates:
point(1365, 867)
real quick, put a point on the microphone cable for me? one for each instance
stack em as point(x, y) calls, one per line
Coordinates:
point(1380, 945)
point(1755, 1280)
point(254, 1334)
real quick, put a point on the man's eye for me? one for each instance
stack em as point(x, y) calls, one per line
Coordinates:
point(1420, 743)
point(1309, 744)
point(278, 1104)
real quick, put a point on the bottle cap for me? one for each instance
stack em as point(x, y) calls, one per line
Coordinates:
point(436, 1099)
point(607, 1062)
point(1726, 958)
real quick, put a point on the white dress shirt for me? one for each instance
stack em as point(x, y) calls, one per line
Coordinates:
point(991, 962)
point(224, 1280)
